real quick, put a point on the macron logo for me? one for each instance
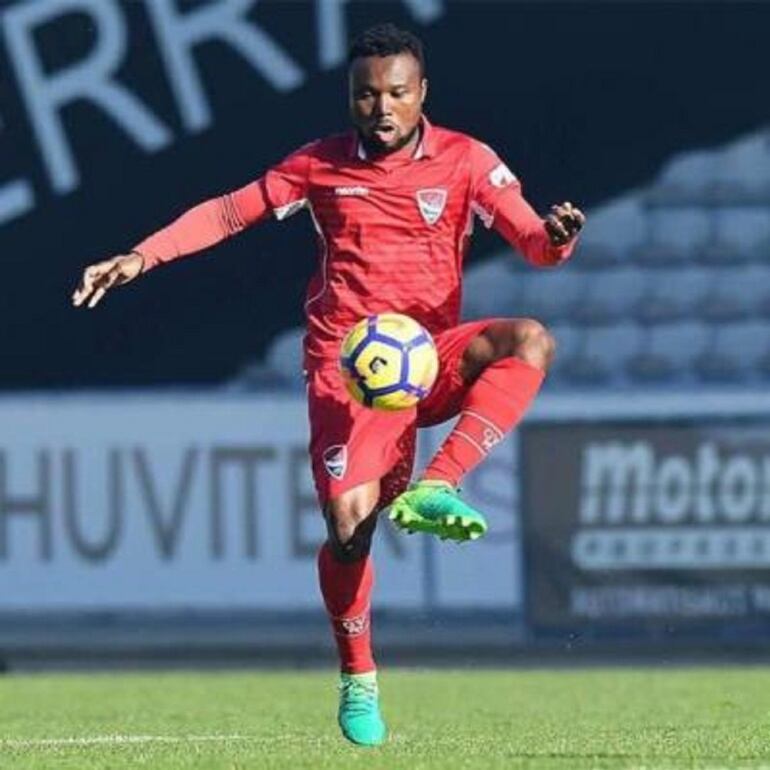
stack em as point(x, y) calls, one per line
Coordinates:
point(351, 191)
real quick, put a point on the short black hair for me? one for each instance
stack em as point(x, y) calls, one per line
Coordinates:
point(386, 40)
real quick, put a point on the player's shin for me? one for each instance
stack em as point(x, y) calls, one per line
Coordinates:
point(346, 588)
point(494, 405)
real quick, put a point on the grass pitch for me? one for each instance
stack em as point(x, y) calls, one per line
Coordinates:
point(565, 720)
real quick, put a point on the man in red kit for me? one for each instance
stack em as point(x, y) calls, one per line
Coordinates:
point(393, 203)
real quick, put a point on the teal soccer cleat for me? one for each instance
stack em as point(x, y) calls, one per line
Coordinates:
point(359, 715)
point(435, 507)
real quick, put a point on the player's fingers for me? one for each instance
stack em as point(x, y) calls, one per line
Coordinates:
point(79, 295)
point(577, 220)
point(570, 217)
point(556, 230)
point(96, 298)
point(103, 284)
point(85, 287)
point(571, 224)
point(111, 279)
point(561, 212)
point(88, 282)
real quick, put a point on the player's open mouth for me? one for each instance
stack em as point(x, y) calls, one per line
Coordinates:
point(384, 132)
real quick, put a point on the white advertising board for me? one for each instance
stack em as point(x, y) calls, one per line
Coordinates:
point(194, 502)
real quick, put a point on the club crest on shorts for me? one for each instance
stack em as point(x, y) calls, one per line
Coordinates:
point(336, 460)
point(431, 203)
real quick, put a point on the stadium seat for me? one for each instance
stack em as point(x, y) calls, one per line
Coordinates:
point(669, 352)
point(737, 293)
point(492, 288)
point(253, 377)
point(676, 236)
point(612, 231)
point(741, 234)
point(687, 178)
point(602, 357)
point(284, 356)
point(762, 251)
point(550, 295)
point(742, 171)
point(737, 352)
point(673, 294)
point(569, 339)
point(611, 295)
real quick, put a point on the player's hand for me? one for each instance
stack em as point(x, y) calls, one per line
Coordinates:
point(100, 277)
point(564, 223)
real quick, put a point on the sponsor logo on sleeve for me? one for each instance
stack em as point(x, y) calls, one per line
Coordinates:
point(501, 176)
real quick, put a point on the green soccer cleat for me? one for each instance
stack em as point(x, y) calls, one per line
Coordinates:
point(435, 507)
point(359, 715)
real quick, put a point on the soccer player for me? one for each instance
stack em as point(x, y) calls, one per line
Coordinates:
point(393, 203)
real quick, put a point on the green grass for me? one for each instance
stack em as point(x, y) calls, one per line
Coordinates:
point(565, 720)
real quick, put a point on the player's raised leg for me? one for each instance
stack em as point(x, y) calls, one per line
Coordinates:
point(502, 369)
point(346, 575)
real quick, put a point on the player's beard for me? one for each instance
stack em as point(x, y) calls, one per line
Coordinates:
point(374, 146)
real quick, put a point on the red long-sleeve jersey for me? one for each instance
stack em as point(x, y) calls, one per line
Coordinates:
point(392, 231)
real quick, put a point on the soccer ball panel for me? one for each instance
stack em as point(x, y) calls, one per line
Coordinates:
point(354, 338)
point(393, 402)
point(399, 327)
point(378, 365)
point(423, 366)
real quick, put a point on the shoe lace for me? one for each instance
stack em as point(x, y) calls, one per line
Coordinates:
point(359, 697)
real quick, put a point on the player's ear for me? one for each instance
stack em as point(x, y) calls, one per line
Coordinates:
point(423, 90)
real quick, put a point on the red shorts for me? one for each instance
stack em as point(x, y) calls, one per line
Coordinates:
point(351, 444)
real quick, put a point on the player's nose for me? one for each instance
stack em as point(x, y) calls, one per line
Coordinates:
point(383, 106)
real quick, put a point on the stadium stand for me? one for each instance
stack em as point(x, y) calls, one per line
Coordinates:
point(670, 284)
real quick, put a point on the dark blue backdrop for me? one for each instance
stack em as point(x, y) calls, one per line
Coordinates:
point(583, 100)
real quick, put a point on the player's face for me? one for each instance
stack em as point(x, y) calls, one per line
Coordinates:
point(386, 97)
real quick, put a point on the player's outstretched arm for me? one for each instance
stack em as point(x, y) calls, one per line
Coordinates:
point(99, 278)
point(497, 198)
point(282, 190)
point(202, 226)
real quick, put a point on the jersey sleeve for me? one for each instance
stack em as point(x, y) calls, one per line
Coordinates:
point(497, 199)
point(281, 191)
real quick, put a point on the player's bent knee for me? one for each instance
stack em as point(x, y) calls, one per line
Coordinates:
point(534, 343)
point(347, 547)
point(350, 526)
point(523, 338)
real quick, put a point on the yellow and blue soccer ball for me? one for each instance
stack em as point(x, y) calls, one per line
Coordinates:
point(388, 361)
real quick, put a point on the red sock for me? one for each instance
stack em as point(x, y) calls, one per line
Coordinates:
point(347, 590)
point(495, 404)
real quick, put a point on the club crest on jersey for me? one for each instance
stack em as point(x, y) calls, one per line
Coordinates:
point(336, 460)
point(431, 203)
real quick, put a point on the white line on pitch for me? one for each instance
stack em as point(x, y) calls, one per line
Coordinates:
point(95, 740)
